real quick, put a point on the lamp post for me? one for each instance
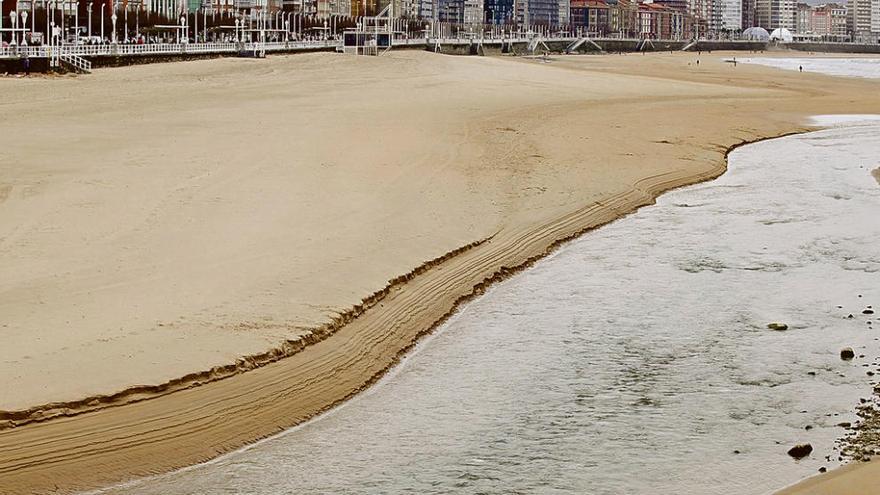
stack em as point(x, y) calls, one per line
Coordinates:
point(24, 16)
point(49, 7)
point(76, 22)
point(180, 31)
point(13, 18)
point(89, 9)
point(113, 20)
point(103, 11)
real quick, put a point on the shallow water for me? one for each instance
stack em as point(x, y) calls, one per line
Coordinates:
point(850, 67)
point(636, 359)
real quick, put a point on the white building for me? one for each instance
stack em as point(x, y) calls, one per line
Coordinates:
point(861, 19)
point(875, 18)
point(773, 14)
point(707, 14)
point(731, 15)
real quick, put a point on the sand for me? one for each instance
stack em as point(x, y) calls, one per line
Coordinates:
point(222, 249)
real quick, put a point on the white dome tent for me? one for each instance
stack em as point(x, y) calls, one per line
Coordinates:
point(781, 34)
point(756, 34)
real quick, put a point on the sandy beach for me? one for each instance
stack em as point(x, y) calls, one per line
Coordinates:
point(197, 255)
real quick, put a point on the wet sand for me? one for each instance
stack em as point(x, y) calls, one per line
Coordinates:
point(166, 226)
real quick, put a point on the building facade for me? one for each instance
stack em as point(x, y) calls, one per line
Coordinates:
point(499, 12)
point(731, 15)
point(707, 16)
point(858, 20)
point(772, 14)
point(803, 19)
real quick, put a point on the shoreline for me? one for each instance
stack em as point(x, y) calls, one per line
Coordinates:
point(64, 459)
point(114, 442)
point(138, 393)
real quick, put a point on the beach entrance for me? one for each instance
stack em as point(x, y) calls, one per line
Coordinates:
point(372, 36)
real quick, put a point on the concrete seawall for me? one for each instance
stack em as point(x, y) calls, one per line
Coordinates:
point(484, 48)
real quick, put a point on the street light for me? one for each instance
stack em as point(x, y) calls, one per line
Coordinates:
point(89, 8)
point(103, 11)
point(24, 16)
point(113, 20)
point(13, 18)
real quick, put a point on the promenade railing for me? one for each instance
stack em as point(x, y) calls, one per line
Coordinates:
point(158, 48)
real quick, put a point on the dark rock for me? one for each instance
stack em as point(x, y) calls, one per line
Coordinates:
point(808, 427)
point(823, 469)
point(847, 353)
point(850, 316)
point(736, 452)
point(777, 326)
point(845, 424)
point(800, 450)
point(867, 311)
point(811, 373)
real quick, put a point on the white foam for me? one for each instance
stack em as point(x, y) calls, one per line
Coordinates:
point(848, 67)
point(848, 120)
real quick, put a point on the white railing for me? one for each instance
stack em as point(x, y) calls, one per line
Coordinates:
point(76, 62)
point(160, 48)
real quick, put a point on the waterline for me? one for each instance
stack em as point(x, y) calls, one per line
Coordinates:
point(635, 359)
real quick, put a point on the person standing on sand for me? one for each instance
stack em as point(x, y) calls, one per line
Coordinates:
point(27, 64)
point(800, 68)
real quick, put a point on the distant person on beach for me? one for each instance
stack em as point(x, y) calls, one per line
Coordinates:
point(800, 68)
point(27, 65)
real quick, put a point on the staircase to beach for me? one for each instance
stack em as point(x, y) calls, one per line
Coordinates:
point(73, 62)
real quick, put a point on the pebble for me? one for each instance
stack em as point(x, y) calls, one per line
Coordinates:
point(800, 450)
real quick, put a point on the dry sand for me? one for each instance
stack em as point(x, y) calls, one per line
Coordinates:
point(166, 226)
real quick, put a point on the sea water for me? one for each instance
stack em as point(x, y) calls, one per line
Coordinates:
point(851, 67)
point(636, 359)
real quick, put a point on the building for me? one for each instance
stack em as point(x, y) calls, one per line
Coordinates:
point(773, 14)
point(590, 17)
point(707, 15)
point(657, 21)
point(859, 20)
point(499, 12)
point(803, 23)
point(564, 12)
point(838, 21)
point(748, 14)
point(828, 22)
point(875, 19)
point(538, 12)
point(463, 12)
point(731, 15)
